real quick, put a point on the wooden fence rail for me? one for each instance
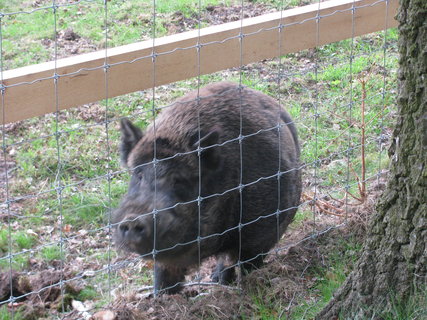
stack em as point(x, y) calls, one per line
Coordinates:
point(39, 89)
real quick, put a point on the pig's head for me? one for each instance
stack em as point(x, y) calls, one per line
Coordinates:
point(160, 210)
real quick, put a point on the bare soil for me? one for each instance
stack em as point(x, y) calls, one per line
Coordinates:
point(215, 15)
point(287, 277)
point(68, 43)
point(36, 299)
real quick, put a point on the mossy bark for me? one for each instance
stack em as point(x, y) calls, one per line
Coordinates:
point(394, 257)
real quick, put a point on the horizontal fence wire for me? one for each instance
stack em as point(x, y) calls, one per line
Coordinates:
point(284, 75)
point(84, 128)
point(114, 173)
point(237, 188)
point(58, 187)
point(125, 262)
point(313, 163)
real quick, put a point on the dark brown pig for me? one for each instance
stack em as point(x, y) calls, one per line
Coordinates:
point(215, 174)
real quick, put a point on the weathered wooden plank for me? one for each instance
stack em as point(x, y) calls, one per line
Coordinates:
point(31, 91)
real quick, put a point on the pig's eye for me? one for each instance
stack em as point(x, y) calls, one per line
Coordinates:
point(137, 175)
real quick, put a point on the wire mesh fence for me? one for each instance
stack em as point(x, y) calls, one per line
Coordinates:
point(62, 179)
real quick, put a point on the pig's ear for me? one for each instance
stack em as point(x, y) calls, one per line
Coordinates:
point(210, 156)
point(130, 137)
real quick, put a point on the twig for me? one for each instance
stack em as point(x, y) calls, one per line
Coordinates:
point(343, 202)
point(324, 206)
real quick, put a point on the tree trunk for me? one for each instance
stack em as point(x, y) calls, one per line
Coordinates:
point(394, 257)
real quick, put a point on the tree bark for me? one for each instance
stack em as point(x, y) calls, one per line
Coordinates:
point(394, 257)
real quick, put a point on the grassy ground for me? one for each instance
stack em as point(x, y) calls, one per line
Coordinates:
point(63, 186)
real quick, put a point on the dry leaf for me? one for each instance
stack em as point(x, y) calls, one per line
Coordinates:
point(104, 315)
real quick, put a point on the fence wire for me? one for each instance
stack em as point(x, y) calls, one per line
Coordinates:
point(61, 179)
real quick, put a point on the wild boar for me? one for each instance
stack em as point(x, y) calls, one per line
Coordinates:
point(216, 174)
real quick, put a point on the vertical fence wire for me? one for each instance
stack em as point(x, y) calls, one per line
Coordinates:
point(6, 175)
point(384, 103)
point(350, 112)
point(316, 116)
point(153, 110)
point(280, 123)
point(199, 191)
point(241, 38)
point(58, 178)
point(108, 151)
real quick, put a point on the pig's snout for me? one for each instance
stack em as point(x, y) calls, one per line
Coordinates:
point(132, 230)
point(135, 233)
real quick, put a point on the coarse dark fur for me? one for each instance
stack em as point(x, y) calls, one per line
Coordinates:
point(238, 182)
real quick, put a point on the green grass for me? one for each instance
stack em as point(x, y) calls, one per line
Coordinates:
point(263, 310)
point(88, 293)
point(186, 7)
point(412, 308)
point(4, 240)
point(20, 240)
point(338, 257)
point(5, 314)
point(301, 216)
point(23, 240)
point(19, 262)
point(50, 253)
point(339, 264)
point(89, 208)
point(280, 4)
point(128, 22)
